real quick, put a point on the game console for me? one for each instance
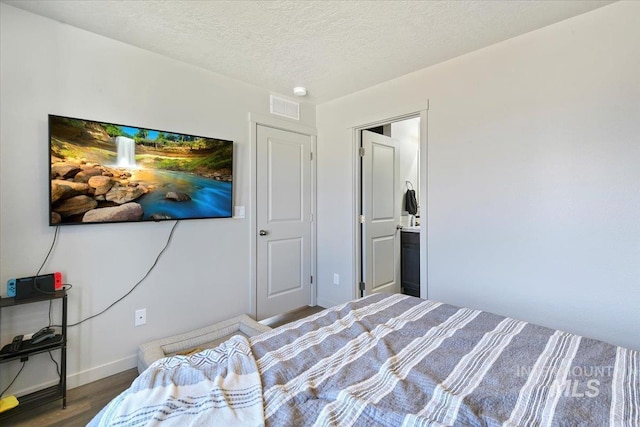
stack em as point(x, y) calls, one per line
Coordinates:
point(30, 287)
point(57, 280)
point(42, 335)
point(11, 288)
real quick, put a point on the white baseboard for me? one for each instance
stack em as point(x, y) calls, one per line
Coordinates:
point(84, 377)
point(99, 372)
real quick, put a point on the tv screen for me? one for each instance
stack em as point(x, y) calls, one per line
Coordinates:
point(105, 173)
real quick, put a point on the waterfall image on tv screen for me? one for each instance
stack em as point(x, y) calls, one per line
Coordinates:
point(104, 172)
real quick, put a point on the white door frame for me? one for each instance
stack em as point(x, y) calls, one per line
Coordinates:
point(357, 235)
point(256, 119)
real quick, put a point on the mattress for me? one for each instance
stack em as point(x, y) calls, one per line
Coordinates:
point(391, 360)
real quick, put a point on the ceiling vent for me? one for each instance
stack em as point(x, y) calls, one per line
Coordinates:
point(284, 107)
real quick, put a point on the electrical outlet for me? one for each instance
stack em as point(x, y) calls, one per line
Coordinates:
point(336, 279)
point(141, 317)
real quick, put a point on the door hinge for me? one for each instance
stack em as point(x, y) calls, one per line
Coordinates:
point(361, 151)
point(311, 279)
point(311, 217)
point(362, 286)
point(311, 155)
point(361, 219)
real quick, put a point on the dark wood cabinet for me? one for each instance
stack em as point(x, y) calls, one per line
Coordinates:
point(410, 263)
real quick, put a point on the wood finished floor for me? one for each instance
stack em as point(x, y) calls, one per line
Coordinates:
point(84, 402)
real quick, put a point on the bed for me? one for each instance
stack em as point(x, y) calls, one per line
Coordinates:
point(391, 360)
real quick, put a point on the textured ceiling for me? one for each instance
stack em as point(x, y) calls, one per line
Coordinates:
point(332, 47)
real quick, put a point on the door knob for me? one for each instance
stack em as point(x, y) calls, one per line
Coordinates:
point(263, 232)
point(399, 227)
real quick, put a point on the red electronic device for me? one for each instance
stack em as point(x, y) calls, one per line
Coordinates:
point(57, 280)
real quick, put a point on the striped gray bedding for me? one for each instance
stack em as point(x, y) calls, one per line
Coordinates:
point(402, 361)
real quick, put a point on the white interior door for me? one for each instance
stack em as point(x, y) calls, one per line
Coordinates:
point(283, 174)
point(381, 205)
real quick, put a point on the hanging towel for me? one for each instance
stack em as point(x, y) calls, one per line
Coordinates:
point(410, 203)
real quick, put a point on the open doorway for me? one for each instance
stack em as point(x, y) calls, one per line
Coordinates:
point(407, 133)
point(388, 166)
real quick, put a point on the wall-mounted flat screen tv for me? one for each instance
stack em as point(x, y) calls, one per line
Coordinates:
point(105, 173)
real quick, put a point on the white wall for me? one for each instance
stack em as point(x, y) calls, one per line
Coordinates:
point(48, 67)
point(533, 176)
